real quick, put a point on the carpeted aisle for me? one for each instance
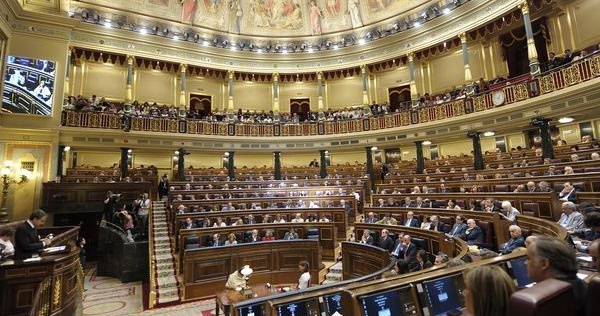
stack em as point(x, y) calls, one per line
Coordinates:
point(109, 297)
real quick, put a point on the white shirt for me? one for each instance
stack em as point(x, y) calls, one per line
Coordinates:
point(304, 281)
point(9, 248)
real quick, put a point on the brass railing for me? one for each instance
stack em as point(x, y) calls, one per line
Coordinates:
point(41, 301)
point(569, 75)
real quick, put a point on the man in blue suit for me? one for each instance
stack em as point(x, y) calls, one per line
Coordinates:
point(516, 240)
point(411, 220)
point(459, 227)
point(27, 240)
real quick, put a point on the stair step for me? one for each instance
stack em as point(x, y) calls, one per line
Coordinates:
point(329, 282)
point(166, 281)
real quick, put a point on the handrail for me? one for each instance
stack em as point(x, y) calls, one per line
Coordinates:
point(41, 301)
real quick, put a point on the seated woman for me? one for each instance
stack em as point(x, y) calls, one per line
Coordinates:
point(231, 240)
point(7, 249)
point(235, 280)
point(487, 290)
point(268, 236)
point(304, 280)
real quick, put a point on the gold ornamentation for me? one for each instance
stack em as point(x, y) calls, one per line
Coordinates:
point(546, 84)
point(595, 66)
point(521, 92)
point(424, 116)
point(56, 292)
point(572, 75)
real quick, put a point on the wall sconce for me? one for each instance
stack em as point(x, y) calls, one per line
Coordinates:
point(10, 175)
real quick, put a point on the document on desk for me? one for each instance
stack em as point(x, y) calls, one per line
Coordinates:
point(34, 259)
point(55, 249)
point(585, 258)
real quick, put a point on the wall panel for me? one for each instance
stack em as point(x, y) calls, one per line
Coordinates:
point(342, 93)
point(105, 80)
point(155, 86)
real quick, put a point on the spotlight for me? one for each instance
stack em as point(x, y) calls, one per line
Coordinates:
point(96, 18)
point(186, 35)
point(251, 47)
point(457, 2)
point(396, 27)
point(303, 47)
point(143, 30)
point(154, 29)
point(427, 143)
point(446, 11)
point(310, 49)
point(196, 38)
point(369, 36)
point(277, 47)
point(215, 42)
point(165, 32)
point(328, 44)
point(425, 16)
point(225, 43)
point(85, 15)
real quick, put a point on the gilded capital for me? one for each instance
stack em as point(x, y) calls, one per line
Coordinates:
point(130, 60)
point(411, 57)
point(320, 75)
point(275, 76)
point(230, 74)
point(463, 37)
point(363, 68)
point(524, 6)
point(182, 68)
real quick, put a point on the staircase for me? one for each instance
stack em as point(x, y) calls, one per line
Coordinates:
point(165, 273)
point(334, 274)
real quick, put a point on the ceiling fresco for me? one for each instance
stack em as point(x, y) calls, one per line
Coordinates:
point(269, 18)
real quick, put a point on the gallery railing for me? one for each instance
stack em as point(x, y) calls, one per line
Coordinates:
point(577, 72)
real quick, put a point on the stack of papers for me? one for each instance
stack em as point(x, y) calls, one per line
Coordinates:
point(55, 249)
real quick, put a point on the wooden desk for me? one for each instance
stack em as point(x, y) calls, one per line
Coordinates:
point(227, 298)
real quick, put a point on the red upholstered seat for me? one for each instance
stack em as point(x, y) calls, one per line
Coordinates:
point(549, 297)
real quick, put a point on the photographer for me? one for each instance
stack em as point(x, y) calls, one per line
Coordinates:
point(142, 214)
point(110, 206)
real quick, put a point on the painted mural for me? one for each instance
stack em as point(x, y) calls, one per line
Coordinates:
point(268, 17)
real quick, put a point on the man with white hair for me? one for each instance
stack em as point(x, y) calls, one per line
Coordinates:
point(516, 240)
point(570, 219)
point(511, 212)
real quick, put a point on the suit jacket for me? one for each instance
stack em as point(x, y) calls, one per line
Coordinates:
point(289, 236)
point(571, 196)
point(418, 266)
point(414, 222)
point(387, 244)
point(441, 227)
point(474, 236)
point(218, 243)
point(27, 241)
point(398, 252)
point(369, 220)
point(458, 230)
point(512, 244)
point(410, 254)
point(252, 239)
point(369, 241)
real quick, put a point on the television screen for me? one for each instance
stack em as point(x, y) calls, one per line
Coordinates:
point(443, 295)
point(332, 303)
point(252, 310)
point(28, 86)
point(518, 270)
point(381, 304)
point(299, 308)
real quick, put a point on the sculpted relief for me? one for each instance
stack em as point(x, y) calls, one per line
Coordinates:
point(268, 17)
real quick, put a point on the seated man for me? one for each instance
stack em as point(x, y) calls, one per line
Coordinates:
point(509, 213)
point(235, 280)
point(27, 239)
point(459, 227)
point(254, 237)
point(385, 241)
point(552, 258)
point(216, 241)
point(387, 220)
point(298, 218)
point(411, 220)
point(516, 240)
point(370, 219)
point(568, 193)
point(7, 249)
point(366, 238)
point(570, 219)
point(291, 234)
point(473, 235)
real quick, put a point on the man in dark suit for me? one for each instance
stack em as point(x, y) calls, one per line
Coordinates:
point(370, 218)
point(422, 261)
point(473, 235)
point(250, 220)
point(216, 241)
point(437, 225)
point(568, 193)
point(291, 234)
point(254, 237)
point(531, 187)
point(411, 220)
point(516, 240)
point(398, 252)
point(410, 252)
point(27, 240)
point(163, 187)
point(385, 241)
point(459, 227)
point(366, 238)
point(189, 224)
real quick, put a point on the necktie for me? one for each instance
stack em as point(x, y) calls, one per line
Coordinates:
point(397, 250)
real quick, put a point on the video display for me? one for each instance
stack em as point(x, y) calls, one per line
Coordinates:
point(443, 295)
point(28, 86)
point(382, 304)
point(332, 304)
point(519, 272)
point(252, 310)
point(300, 308)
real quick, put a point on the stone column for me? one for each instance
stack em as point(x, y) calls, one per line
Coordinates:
point(182, 103)
point(129, 83)
point(275, 93)
point(534, 64)
point(365, 84)
point(323, 166)
point(181, 164)
point(320, 94)
point(277, 167)
point(467, 66)
point(477, 154)
point(420, 158)
point(413, 83)
point(67, 73)
point(370, 171)
point(230, 111)
point(231, 165)
point(124, 162)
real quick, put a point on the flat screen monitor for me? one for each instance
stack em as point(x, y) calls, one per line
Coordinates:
point(28, 86)
point(385, 303)
point(332, 304)
point(442, 295)
point(252, 310)
point(298, 308)
point(518, 271)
